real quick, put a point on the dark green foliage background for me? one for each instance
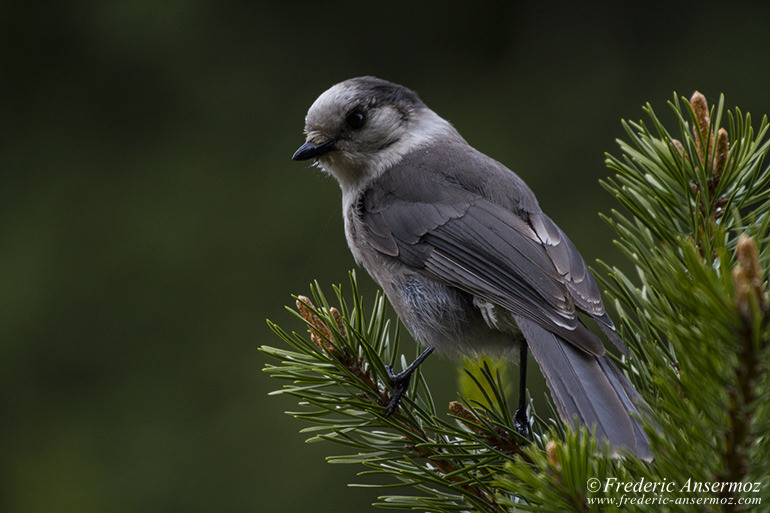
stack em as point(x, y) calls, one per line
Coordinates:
point(150, 217)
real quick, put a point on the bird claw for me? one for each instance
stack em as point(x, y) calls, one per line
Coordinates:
point(521, 422)
point(400, 383)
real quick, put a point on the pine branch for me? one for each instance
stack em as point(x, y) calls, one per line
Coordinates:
point(752, 306)
point(697, 321)
point(340, 372)
point(696, 229)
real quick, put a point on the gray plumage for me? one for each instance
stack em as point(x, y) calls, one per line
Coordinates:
point(462, 250)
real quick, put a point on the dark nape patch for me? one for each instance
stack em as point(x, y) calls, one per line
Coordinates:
point(381, 92)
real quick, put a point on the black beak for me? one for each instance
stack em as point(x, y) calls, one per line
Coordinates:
point(311, 149)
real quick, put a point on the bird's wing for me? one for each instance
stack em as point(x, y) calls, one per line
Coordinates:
point(455, 235)
point(577, 277)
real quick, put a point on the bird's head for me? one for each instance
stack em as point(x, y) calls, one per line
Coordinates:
point(360, 127)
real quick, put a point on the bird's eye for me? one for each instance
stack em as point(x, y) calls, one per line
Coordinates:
point(355, 119)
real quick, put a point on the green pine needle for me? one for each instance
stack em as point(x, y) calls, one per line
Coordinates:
point(694, 223)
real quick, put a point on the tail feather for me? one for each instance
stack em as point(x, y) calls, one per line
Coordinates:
point(634, 403)
point(608, 328)
point(589, 387)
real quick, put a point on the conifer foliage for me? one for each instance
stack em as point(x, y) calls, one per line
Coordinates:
point(695, 225)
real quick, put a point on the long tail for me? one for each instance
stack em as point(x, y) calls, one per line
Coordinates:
point(591, 387)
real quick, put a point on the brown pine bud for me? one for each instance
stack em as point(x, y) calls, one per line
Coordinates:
point(319, 332)
point(701, 131)
point(339, 322)
point(468, 418)
point(747, 277)
point(721, 152)
point(552, 453)
point(677, 148)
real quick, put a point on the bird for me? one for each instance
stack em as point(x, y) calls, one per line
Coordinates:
point(465, 255)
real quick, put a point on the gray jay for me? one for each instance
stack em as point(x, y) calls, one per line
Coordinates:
point(464, 254)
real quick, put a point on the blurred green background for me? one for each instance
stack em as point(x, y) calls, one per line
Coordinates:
point(151, 217)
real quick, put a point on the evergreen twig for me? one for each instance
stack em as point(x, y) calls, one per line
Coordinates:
point(696, 229)
point(340, 372)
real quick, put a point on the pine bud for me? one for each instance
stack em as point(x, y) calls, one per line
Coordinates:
point(319, 332)
point(468, 418)
point(701, 132)
point(552, 453)
point(722, 150)
point(340, 323)
point(747, 277)
point(676, 144)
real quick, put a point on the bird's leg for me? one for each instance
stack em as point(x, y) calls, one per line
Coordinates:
point(520, 419)
point(400, 381)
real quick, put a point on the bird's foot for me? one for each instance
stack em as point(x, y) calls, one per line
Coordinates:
point(400, 382)
point(521, 422)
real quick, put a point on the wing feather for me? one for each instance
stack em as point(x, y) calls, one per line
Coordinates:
point(456, 236)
